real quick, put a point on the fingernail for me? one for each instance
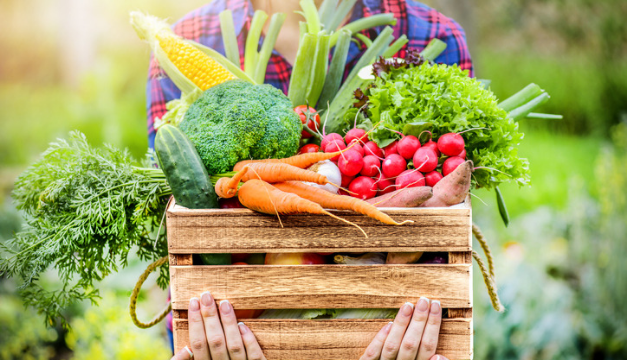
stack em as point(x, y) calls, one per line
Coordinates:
point(242, 328)
point(225, 306)
point(191, 354)
point(389, 326)
point(206, 298)
point(435, 307)
point(194, 304)
point(423, 304)
point(407, 309)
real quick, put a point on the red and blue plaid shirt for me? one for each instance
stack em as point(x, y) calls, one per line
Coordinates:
point(419, 22)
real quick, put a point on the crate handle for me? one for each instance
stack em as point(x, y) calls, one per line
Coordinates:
point(135, 294)
point(488, 273)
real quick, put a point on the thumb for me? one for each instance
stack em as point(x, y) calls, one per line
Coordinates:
point(438, 357)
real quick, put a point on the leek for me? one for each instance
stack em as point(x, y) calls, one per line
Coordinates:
point(523, 110)
point(276, 22)
point(340, 14)
point(319, 69)
point(336, 70)
point(366, 23)
point(525, 95)
point(325, 13)
point(228, 37)
point(433, 49)
point(301, 73)
point(396, 46)
point(252, 42)
point(311, 16)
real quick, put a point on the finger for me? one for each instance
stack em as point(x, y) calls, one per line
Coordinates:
point(213, 328)
point(429, 342)
point(197, 339)
point(411, 340)
point(393, 341)
point(184, 354)
point(438, 357)
point(373, 352)
point(234, 343)
point(253, 350)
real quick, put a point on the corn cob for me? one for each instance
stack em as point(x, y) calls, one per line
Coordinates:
point(196, 66)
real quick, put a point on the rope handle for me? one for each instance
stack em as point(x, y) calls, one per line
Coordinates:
point(135, 294)
point(488, 273)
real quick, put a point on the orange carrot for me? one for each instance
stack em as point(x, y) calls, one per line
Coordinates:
point(280, 172)
point(262, 197)
point(302, 161)
point(227, 187)
point(339, 202)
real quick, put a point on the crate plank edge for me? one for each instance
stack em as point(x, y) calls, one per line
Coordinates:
point(376, 286)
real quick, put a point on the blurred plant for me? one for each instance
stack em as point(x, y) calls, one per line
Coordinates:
point(106, 332)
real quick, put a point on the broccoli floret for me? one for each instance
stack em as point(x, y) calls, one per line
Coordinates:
point(237, 120)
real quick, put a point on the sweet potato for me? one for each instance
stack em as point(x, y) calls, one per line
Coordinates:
point(453, 188)
point(407, 197)
point(403, 257)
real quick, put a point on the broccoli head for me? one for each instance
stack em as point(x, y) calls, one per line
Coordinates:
point(236, 120)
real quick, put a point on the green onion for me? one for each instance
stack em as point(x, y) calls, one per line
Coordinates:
point(366, 23)
point(366, 40)
point(340, 14)
point(325, 13)
point(228, 37)
point(522, 111)
point(433, 49)
point(378, 47)
point(544, 116)
point(302, 30)
point(311, 16)
point(319, 69)
point(525, 95)
point(396, 46)
point(502, 208)
point(336, 71)
point(301, 71)
point(268, 45)
point(220, 59)
point(252, 42)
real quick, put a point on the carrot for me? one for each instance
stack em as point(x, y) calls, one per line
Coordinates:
point(262, 197)
point(453, 188)
point(302, 161)
point(339, 202)
point(407, 197)
point(280, 172)
point(227, 187)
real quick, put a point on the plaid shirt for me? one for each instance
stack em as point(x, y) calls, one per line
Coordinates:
point(419, 22)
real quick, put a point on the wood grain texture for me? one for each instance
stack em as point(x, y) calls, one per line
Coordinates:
point(334, 339)
point(323, 286)
point(181, 259)
point(245, 231)
point(464, 257)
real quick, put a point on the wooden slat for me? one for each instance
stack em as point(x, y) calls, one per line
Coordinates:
point(181, 259)
point(461, 258)
point(323, 286)
point(334, 339)
point(244, 231)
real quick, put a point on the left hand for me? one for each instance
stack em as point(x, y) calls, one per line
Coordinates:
point(216, 335)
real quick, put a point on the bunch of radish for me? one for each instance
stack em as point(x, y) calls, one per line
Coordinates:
point(368, 171)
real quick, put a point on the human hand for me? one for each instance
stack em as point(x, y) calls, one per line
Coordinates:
point(412, 336)
point(214, 334)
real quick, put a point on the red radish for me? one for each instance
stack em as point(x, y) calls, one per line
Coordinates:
point(363, 188)
point(372, 164)
point(356, 134)
point(432, 178)
point(407, 146)
point(294, 259)
point(309, 148)
point(462, 154)
point(239, 263)
point(431, 144)
point(346, 180)
point(393, 165)
point(391, 149)
point(371, 148)
point(410, 178)
point(451, 144)
point(425, 160)
point(230, 203)
point(385, 185)
point(357, 147)
point(334, 146)
point(238, 258)
point(350, 162)
point(451, 164)
point(330, 137)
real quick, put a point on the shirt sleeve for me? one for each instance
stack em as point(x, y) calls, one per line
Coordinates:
point(456, 46)
point(159, 90)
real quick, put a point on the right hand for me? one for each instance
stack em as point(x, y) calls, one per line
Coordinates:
point(412, 336)
point(216, 335)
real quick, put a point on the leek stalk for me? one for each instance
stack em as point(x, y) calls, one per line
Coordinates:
point(311, 16)
point(336, 71)
point(366, 23)
point(525, 95)
point(523, 110)
point(276, 22)
point(340, 14)
point(325, 12)
point(433, 49)
point(301, 72)
point(319, 69)
point(364, 39)
point(534, 115)
point(228, 37)
point(396, 46)
point(252, 42)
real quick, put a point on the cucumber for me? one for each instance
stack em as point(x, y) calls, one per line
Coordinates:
point(184, 170)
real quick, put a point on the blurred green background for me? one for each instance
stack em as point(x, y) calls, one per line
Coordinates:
point(76, 64)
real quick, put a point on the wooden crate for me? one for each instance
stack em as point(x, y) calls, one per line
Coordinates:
point(324, 286)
